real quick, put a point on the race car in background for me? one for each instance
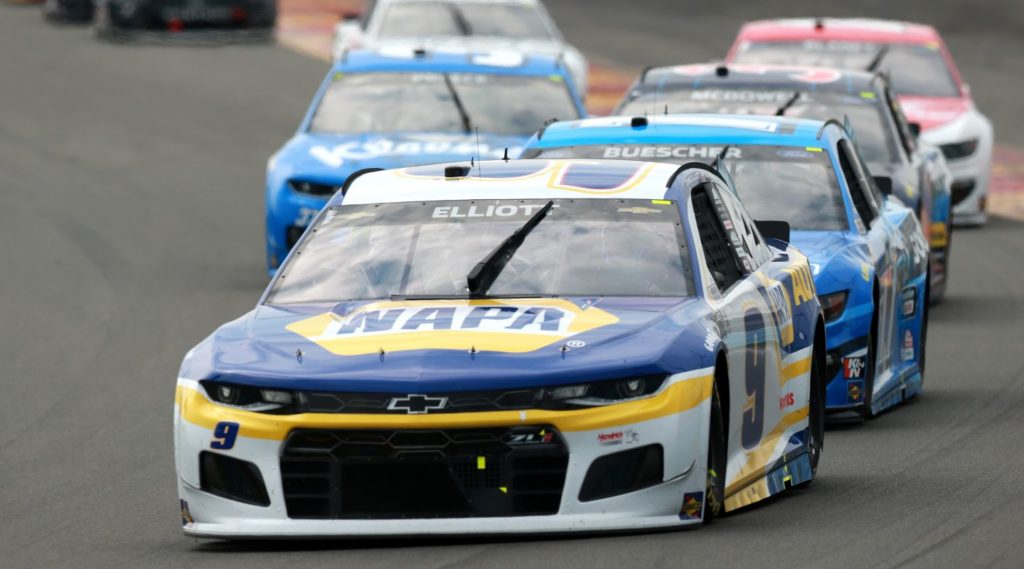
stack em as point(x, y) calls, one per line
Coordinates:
point(509, 347)
point(119, 18)
point(481, 25)
point(868, 256)
point(920, 177)
point(397, 107)
point(932, 93)
point(68, 10)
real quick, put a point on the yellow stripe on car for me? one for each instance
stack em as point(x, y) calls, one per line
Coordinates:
point(196, 408)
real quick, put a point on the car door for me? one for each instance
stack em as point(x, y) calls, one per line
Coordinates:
point(885, 248)
point(752, 327)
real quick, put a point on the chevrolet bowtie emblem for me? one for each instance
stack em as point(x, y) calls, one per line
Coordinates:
point(417, 404)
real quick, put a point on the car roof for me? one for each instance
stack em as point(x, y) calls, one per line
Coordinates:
point(694, 128)
point(514, 179)
point(757, 76)
point(838, 29)
point(404, 57)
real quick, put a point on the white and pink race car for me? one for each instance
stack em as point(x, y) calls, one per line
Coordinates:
point(922, 72)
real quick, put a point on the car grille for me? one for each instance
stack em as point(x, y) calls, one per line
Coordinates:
point(464, 402)
point(395, 474)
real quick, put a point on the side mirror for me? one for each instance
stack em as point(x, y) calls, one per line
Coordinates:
point(884, 184)
point(915, 128)
point(778, 230)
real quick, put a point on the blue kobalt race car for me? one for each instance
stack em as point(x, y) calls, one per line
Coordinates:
point(869, 256)
point(528, 346)
point(394, 108)
point(919, 173)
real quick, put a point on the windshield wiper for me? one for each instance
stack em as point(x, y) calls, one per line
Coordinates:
point(789, 103)
point(466, 123)
point(483, 275)
point(460, 20)
point(877, 60)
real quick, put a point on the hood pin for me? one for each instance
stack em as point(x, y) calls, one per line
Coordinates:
point(472, 352)
point(381, 353)
point(298, 355)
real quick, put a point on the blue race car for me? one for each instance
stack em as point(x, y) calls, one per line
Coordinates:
point(869, 256)
point(528, 346)
point(406, 107)
point(919, 173)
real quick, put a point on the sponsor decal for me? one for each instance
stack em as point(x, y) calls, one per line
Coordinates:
point(855, 391)
point(616, 438)
point(415, 404)
point(787, 400)
point(336, 156)
point(741, 96)
point(909, 296)
point(908, 346)
point(854, 368)
point(693, 503)
point(865, 272)
point(483, 325)
point(305, 216)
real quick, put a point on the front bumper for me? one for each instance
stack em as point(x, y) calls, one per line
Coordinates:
point(288, 214)
point(680, 409)
point(971, 174)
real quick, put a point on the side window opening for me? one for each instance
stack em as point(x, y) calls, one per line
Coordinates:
point(718, 252)
point(861, 201)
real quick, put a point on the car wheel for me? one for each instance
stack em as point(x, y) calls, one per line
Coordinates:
point(714, 505)
point(816, 415)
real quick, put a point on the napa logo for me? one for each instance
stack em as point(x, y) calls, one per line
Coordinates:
point(483, 325)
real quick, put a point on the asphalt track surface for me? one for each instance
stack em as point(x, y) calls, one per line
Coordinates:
point(131, 226)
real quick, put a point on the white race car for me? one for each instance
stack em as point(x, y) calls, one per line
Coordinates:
point(460, 25)
point(524, 346)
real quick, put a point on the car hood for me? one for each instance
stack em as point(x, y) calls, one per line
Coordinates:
point(455, 345)
point(932, 112)
point(329, 157)
point(838, 260)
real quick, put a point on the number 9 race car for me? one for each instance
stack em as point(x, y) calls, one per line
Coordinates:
point(518, 347)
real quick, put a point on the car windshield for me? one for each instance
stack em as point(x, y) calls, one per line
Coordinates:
point(590, 248)
point(357, 103)
point(797, 185)
point(439, 19)
point(876, 135)
point(913, 69)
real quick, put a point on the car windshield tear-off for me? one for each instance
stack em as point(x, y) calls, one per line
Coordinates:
point(483, 275)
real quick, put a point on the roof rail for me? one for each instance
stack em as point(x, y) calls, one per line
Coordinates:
point(547, 123)
point(825, 125)
point(643, 74)
point(689, 165)
point(356, 174)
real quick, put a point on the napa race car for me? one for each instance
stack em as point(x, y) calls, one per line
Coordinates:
point(931, 91)
point(402, 107)
point(115, 19)
point(527, 346)
point(919, 175)
point(481, 25)
point(868, 255)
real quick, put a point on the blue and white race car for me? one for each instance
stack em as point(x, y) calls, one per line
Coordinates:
point(528, 346)
point(402, 107)
point(868, 253)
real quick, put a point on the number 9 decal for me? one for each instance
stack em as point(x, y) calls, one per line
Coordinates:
point(753, 409)
point(224, 435)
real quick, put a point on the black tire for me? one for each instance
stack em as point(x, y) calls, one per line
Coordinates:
point(714, 503)
point(816, 414)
